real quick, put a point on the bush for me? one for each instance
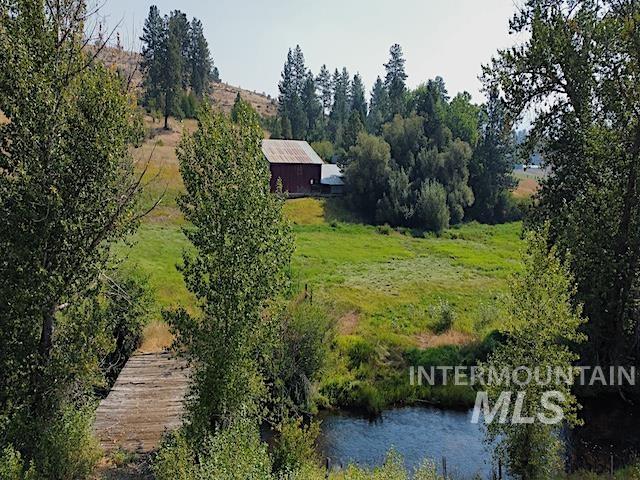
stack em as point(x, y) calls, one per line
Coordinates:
point(68, 449)
point(384, 229)
point(295, 446)
point(175, 460)
point(235, 453)
point(432, 211)
point(444, 317)
point(446, 355)
point(359, 351)
point(296, 354)
point(354, 394)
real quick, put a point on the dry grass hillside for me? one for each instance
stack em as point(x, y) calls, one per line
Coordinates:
point(223, 94)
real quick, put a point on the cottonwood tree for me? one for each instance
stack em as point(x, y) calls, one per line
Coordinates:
point(67, 192)
point(540, 323)
point(580, 71)
point(242, 249)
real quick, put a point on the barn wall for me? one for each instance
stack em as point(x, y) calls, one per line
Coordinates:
point(296, 177)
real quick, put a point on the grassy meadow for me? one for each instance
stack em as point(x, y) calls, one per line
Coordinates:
point(395, 296)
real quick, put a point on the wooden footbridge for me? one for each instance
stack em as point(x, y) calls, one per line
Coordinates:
point(146, 400)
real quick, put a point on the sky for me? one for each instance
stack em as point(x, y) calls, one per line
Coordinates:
point(249, 39)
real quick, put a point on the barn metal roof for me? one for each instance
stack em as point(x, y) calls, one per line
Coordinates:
point(290, 151)
point(331, 175)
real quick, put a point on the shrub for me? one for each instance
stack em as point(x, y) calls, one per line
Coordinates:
point(68, 449)
point(359, 351)
point(175, 460)
point(296, 356)
point(432, 211)
point(444, 317)
point(235, 453)
point(384, 229)
point(295, 446)
point(354, 394)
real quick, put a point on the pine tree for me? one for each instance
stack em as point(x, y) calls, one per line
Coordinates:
point(325, 86)
point(153, 38)
point(291, 86)
point(200, 63)
point(179, 28)
point(492, 164)
point(340, 109)
point(358, 102)
point(299, 70)
point(171, 63)
point(379, 109)
point(312, 108)
point(395, 80)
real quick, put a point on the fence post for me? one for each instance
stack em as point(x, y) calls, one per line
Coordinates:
point(499, 469)
point(611, 461)
point(328, 467)
point(444, 467)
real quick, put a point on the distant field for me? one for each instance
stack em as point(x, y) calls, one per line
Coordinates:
point(528, 183)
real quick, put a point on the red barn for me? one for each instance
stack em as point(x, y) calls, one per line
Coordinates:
point(296, 163)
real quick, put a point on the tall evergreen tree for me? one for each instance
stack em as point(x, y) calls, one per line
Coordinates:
point(340, 109)
point(312, 108)
point(324, 83)
point(299, 70)
point(358, 102)
point(172, 65)
point(431, 103)
point(291, 86)
point(379, 109)
point(491, 167)
point(179, 28)
point(395, 80)
point(199, 62)
point(153, 39)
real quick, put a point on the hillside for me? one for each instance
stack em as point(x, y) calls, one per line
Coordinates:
point(223, 94)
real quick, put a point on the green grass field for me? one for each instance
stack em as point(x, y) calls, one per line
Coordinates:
point(381, 287)
point(376, 285)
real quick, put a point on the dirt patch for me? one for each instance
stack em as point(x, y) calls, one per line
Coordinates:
point(450, 337)
point(348, 323)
